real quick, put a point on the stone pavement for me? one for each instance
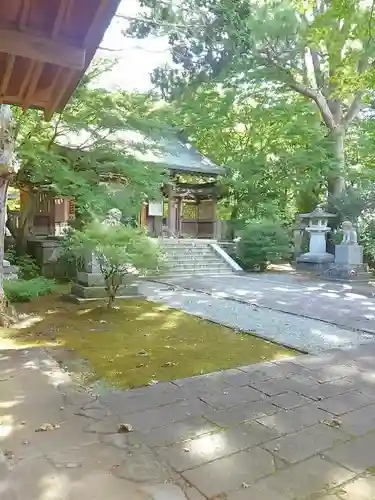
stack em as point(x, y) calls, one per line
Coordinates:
point(302, 428)
point(296, 429)
point(59, 442)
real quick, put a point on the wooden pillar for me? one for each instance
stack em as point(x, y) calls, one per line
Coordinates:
point(158, 225)
point(216, 223)
point(143, 215)
point(171, 208)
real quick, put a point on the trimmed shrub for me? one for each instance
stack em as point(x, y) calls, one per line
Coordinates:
point(27, 290)
point(27, 266)
point(263, 243)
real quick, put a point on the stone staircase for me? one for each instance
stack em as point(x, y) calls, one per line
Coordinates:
point(193, 256)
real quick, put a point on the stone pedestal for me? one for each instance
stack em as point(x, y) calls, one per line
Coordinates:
point(315, 261)
point(348, 265)
point(350, 255)
point(317, 258)
point(90, 283)
point(9, 272)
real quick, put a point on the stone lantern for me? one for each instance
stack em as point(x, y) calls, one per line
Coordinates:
point(317, 257)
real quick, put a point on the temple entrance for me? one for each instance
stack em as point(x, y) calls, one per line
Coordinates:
point(188, 211)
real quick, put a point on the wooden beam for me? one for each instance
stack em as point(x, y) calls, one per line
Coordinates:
point(41, 49)
point(27, 78)
point(7, 75)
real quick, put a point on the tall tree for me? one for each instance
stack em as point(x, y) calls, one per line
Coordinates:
point(7, 172)
point(321, 49)
point(273, 146)
point(81, 155)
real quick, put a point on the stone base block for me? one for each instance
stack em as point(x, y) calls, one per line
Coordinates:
point(99, 292)
point(90, 279)
point(344, 272)
point(9, 272)
point(97, 279)
point(314, 262)
point(350, 255)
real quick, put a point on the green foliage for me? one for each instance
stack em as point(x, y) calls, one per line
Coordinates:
point(245, 40)
point(273, 146)
point(263, 243)
point(27, 290)
point(322, 51)
point(366, 236)
point(120, 251)
point(27, 266)
point(82, 153)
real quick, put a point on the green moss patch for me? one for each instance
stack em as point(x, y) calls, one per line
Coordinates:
point(139, 342)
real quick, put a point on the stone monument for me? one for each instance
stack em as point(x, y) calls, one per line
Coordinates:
point(317, 258)
point(348, 264)
point(90, 282)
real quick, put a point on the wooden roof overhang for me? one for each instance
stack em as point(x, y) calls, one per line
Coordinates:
point(45, 48)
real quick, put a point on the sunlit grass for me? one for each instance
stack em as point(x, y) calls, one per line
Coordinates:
point(139, 342)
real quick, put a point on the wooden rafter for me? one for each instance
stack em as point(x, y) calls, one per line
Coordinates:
point(7, 74)
point(59, 18)
point(27, 78)
point(38, 70)
point(24, 14)
point(66, 78)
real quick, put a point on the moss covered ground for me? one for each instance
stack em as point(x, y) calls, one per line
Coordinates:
point(137, 343)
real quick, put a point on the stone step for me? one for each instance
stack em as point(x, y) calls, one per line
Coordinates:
point(188, 251)
point(198, 267)
point(186, 274)
point(189, 258)
point(185, 245)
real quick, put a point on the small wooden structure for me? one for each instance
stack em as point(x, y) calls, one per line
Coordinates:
point(52, 213)
point(45, 48)
point(186, 210)
point(187, 204)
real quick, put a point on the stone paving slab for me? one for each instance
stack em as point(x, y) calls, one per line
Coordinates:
point(305, 443)
point(313, 476)
point(357, 455)
point(188, 455)
point(231, 472)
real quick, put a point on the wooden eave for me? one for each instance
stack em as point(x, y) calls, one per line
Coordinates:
point(45, 48)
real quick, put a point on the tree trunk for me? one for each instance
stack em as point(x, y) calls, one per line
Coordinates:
point(4, 183)
point(111, 298)
point(6, 174)
point(26, 223)
point(336, 182)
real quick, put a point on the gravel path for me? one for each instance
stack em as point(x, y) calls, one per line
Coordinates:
point(335, 303)
point(304, 334)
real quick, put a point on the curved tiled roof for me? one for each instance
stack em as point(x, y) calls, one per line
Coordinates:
point(166, 151)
